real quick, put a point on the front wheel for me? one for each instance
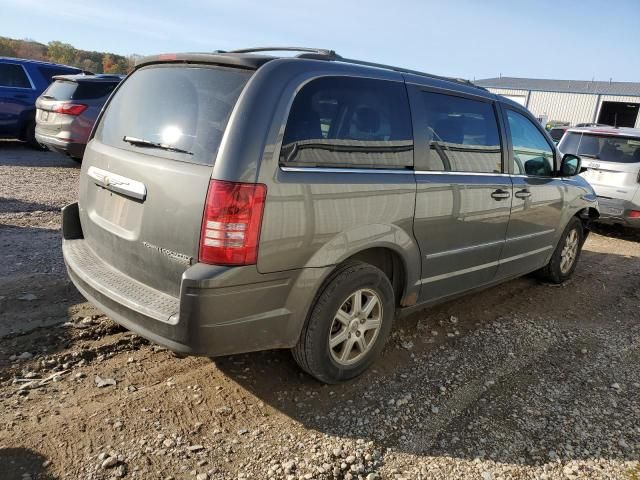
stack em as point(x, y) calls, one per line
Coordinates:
point(565, 257)
point(348, 324)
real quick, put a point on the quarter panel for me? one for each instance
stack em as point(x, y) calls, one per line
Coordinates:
point(315, 219)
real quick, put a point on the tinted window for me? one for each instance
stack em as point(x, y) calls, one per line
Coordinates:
point(65, 90)
point(181, 107)
point(532, 155)
point(12, 75)
point(462, 134)
point(603, 147)
point(49, 72)
point(556, 133)
point(349, 122)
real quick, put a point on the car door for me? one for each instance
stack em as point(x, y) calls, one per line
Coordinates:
point(463, 198)
point(538, 196)
point(17, 96)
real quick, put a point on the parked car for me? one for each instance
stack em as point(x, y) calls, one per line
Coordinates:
point(21, 82)
point(556, 133)
point(612, 159)
point(234, 202)
point(67, 110)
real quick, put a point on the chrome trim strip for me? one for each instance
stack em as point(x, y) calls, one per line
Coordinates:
point(475, 268)
point(347, 170)
point(118, 183)
point(26, 72)
point(444, 253)
point(474, 174)
point(530, 235)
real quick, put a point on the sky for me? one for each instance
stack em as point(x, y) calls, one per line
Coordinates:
point(474, 39)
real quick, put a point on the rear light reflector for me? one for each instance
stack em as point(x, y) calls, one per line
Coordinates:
point(70, 108)
point(231, 223)
point(634, 214)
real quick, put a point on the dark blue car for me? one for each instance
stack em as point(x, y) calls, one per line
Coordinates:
point(21, 82)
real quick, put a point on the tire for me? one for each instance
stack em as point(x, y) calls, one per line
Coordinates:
point(340, 293)
point(557, 270)
point(30, 137)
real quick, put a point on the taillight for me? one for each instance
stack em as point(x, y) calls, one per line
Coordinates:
point(634, 214)
point(231, 223)
point(70, 108)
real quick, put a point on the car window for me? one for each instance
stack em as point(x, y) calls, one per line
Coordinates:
point(462, 134)
point(532, 154)
point(556, 133)
point(83, 90)
point(349, 122)
point(182, 108)
point(13, 75)
point(608, 148)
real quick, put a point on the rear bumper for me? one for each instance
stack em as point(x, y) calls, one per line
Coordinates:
point(73, 149)
point(614, 211)
point(220, 311)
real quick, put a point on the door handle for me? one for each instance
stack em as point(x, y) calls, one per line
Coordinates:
point(523, 194)
point(500, 194)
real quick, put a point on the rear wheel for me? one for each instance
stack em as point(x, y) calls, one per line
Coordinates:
point(348, 324)
point(565, 257)
point(30, 136)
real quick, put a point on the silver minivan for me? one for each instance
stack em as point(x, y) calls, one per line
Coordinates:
point(611, 157)
point(239, 201)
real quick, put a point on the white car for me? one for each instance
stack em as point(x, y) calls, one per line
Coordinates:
point(611, 157)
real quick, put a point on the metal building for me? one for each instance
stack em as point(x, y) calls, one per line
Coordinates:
point(573, 101)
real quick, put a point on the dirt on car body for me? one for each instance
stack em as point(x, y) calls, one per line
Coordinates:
point(524, 380)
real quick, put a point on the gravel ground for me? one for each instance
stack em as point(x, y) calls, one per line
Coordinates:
point(524, 380)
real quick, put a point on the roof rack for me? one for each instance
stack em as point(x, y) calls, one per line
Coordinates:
point(320, 52)
point(331, 55)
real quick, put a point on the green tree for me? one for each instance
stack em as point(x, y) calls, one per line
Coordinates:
point(59, 52)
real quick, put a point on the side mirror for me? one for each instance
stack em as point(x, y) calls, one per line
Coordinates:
point(571, 165)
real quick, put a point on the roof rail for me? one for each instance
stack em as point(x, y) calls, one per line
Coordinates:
point(406, 70)
point(331, 55)
point(323, 52)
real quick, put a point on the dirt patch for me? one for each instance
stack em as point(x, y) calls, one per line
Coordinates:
point(524, 380)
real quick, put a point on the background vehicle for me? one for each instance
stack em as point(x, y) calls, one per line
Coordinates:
point(612, 158)
point(68, 108)
point(21, 82)
point(236, 201)
point(556, 133)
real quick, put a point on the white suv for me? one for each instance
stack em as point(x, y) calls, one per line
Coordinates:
point(611, 157)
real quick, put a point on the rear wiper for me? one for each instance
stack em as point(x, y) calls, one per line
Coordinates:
point(141, 142)
point(589, 156)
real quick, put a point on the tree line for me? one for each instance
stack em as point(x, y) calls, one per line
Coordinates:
point(59, 52)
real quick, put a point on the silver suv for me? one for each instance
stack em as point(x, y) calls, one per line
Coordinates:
point(612, 159)
point(237, 201)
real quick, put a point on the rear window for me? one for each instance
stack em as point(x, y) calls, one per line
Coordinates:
point(186, 108)
point(602, 147)
point(557, 133)
point(66, 90)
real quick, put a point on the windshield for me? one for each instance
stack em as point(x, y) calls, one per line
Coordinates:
point(184, 108)
point(608, 148)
